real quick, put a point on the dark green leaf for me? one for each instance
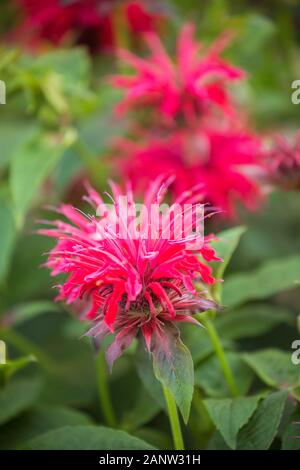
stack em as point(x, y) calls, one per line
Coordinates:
point(217, 442)
point(27, 277)
point(31, 164)
point(272, 277)
point(73, 382)
point(252, 320)
point(231, 414)
point(157, 438)
point(146, 375)
point(260, 431)
point(199, 343)
point(87, 438)
point(144, 410)
point(209, 375)
point(28, 310)
point(7, 237)
point(37, 421)
point(173, 366)
point(17, 396)
point(13, 133)
point(274, 367)
point(225, 247)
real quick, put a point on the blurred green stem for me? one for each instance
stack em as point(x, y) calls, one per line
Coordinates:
point(174, 420)
point(217, 344)
point(26, 346)
point(103, 391)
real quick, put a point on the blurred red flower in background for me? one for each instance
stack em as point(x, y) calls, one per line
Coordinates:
point(136, 279)
point(227, 164)
point(192, 85)
point(282, 163)
point(86, 22)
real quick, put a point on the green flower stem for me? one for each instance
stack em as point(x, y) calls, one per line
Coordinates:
point(216, 342)
point(174, 420)
point(103, 391)
point(26, 346)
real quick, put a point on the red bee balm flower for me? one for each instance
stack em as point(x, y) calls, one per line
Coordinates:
point(227, 163)
point(85, 22)
point(137, 279)
point(283, 163)
point(140, 17)
point(187, 87)
point(88, 22)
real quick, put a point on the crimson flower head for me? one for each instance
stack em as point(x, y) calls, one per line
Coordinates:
point(283, 163)
point(137, 277)
point(86, 22)
point(143, 16)
point(226, 162)
point(192, 84)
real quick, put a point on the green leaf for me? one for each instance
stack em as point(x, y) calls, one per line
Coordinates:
point(17, 396)
point(73, 382)
point(97, 128)
point(274, 368)
point(144, 410)
point(37, 421)
point(72, 64)
point(29, 280)
point(217, 442)
point(57, 81)
point(225, 247)
point(155, 437)
point(136, 406)
point(260, 431)
point(68, 364)
point(198, 342)
point(252, 320)
point(87, 438)
point(173, 366)
point(253, 44)
point(209, 375)
point(7, 237)
point(264, 226)
point(146, 375)
point(272, 277)
point(231, 414)
point(13, 132)
point(29, 310)
point(31, 164)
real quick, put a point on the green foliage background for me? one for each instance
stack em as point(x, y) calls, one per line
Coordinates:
point(58, 122)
